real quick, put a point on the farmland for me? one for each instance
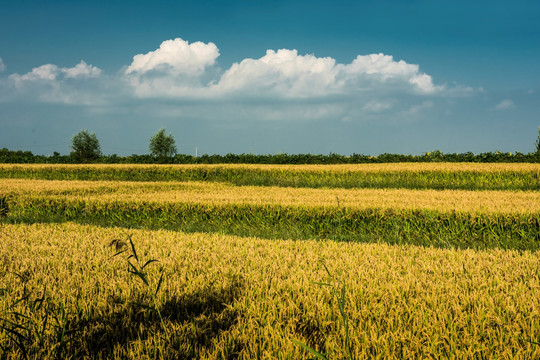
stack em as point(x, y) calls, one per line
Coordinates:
point(459, 176)
point(253, 261)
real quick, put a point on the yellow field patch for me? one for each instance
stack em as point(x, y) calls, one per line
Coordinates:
point(519, 202)
point(401, 301)
point(387, 167)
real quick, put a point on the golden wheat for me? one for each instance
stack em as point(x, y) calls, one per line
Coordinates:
point(402, 301)
point(246, 297)
point(519, 202)
point(390, 167)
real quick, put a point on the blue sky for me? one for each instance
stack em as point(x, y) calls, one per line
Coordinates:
point(271, 76)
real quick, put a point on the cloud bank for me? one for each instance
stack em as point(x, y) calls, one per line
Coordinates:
point(180, 69)
point(182, 72)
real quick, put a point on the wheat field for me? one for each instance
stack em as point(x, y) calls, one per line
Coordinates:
point(458, 176)
point(189, 269)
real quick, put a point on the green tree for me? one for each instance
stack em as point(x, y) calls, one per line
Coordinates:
point(538, 142)
point(162, 145)
point(85, 147)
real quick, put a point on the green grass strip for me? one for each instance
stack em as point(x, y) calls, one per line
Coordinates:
point(418, 227)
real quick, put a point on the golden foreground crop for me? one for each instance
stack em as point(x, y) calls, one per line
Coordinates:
point(89, 271)
point(231, 297)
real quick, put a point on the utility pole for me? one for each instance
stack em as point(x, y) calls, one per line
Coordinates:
point(196, 150)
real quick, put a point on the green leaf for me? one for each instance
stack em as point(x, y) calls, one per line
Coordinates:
point(133, 249)
point(159, 284)
point(120, 252)
point(327, 271)
point(138, 273)
point(148, 262)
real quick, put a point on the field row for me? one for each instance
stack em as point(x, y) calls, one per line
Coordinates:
point(444, 218)
point(224, 296)
point(420, 227)
point(463, 176)
point(476, 202)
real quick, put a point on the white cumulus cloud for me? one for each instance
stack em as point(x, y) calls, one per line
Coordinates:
point(67, 85)
point(505, 105)
point(282, 72)
point(425, 84)
point(43, 72)
point(382, 65)
point(81, 70)
point(51, 73)
point(289, 74)
point(177, 56)
point(2, 65)
point(381, 68)
point(178, 69)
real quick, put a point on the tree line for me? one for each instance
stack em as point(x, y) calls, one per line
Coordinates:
point(162, 147)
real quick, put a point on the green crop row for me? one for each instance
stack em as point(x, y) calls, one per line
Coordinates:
point(418, 227)
point(458, 180)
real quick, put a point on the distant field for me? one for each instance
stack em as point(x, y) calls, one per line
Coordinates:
point(428, 261)
point(464, 176)
point(518, 202)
